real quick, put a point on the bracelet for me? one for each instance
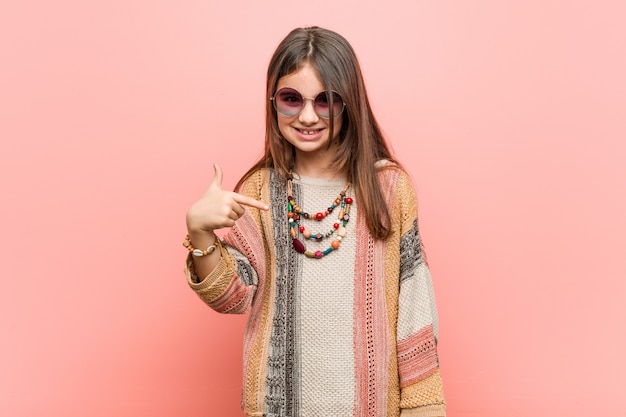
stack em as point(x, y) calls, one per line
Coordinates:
point(199, 252)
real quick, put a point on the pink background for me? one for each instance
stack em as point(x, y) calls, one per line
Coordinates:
point(510, 116)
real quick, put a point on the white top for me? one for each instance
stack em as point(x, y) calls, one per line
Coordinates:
point(326, 302)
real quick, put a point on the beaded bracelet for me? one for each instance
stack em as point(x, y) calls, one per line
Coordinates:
point(199, 252)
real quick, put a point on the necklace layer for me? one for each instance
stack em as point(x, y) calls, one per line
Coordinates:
point(295, 216)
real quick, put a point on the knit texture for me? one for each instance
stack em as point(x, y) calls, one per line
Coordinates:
point(325, 300)
point(352, 334)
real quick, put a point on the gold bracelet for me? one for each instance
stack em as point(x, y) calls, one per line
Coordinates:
point(199, 252)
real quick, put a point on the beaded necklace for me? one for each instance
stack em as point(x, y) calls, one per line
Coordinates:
point(296, 214)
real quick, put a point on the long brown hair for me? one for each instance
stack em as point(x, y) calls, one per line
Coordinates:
point(360, 142)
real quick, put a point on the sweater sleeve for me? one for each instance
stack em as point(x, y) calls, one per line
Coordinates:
point(421, 387)
point(231, 286)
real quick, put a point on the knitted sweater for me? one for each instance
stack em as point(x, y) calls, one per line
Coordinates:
point(352, 334)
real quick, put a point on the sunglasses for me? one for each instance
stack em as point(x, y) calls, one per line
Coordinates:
point(289, 102)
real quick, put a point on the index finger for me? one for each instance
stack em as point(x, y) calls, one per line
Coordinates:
point(250, 202)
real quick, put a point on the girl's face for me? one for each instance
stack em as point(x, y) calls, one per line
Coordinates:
point(307, 131)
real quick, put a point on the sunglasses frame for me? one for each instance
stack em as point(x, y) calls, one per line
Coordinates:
point(305, 99)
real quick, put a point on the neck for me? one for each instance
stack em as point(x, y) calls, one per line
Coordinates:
point(319, 167)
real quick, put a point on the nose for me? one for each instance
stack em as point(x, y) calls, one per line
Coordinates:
point(308, 115)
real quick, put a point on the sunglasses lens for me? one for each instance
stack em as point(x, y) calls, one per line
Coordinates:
point(322, 105)
point(288, 102)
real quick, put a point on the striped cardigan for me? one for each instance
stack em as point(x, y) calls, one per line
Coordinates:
point(396, 368)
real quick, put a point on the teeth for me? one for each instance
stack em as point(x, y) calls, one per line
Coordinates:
point(309, 132)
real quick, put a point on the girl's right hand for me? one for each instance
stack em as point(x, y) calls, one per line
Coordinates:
point(218, 208)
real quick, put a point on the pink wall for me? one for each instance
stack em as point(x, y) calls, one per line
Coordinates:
point(509, 115)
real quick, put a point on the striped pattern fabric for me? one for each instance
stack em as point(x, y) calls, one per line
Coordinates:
point(353, 334)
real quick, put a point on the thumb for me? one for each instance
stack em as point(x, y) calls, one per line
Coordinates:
point(217, 178)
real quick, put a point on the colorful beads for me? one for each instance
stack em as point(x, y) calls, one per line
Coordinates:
point(295, 214)
point(298, 245)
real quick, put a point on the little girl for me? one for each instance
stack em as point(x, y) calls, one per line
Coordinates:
point(323, 251)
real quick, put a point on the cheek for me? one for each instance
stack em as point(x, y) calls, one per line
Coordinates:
point(283, 125)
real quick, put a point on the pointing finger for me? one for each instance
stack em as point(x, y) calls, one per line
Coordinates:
point(251, 202)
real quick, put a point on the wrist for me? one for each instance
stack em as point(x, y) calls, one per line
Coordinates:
point(203, 245)
point(195, 223)
point(199, 234)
